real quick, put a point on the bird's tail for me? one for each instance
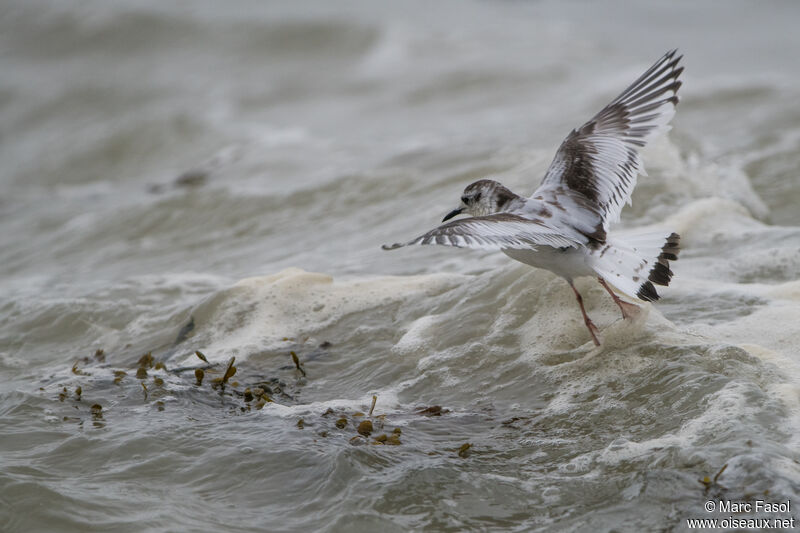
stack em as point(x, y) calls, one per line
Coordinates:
point(634, 262)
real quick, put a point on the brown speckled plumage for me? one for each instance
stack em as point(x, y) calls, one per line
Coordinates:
point(564, 226)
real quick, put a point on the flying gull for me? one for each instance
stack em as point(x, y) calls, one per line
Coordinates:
point(564, 225)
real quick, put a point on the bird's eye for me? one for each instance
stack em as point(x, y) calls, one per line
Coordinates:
point(464, 199)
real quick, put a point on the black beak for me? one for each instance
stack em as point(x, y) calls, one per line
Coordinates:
point(453, 213)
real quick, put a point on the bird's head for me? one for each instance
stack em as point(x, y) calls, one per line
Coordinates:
point(483, 197)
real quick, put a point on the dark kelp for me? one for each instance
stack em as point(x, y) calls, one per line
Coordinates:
point(257, 390)
point(297, 363)
point(374, 401)
point(464, 450)
point(365, 428)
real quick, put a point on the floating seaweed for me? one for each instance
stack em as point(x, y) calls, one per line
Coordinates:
point(365, 428)
point(434, 410)
point(464, 450)
point(512, 422)
point(230, 370)
point(297, 363)
point(251, 392)
point(97, 415)
point(393, 439)
point(146, 361)
point(77, 371)
point(708, 483)
point(374, 401)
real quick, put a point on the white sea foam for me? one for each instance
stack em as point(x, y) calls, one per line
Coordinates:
point(260, 314)
point(321, 131)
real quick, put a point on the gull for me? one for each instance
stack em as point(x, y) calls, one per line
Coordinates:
point(564, 226)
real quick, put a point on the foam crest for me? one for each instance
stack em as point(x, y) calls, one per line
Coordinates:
point(692, 178)
point(258, 314)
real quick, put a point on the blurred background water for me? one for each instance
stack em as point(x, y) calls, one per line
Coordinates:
point(220, 176)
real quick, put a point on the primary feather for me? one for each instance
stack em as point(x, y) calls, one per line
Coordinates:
point(564, 225)
point(600, 160)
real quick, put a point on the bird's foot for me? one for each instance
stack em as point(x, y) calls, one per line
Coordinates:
point(629, 310)
point(593, 331)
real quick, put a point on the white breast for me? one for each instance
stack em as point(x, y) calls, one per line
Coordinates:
point(568, 263)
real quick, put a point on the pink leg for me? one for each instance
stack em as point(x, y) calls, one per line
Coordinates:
point(628, 309)
point(589, 324)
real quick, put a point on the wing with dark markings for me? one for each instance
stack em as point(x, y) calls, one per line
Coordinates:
point(495, 232)
point(600, 161)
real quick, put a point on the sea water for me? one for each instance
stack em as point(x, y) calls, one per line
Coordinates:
point(218, 178)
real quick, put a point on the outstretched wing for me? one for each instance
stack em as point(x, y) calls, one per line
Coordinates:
point(495, 232)
point(599, 162)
